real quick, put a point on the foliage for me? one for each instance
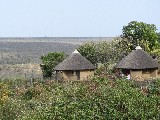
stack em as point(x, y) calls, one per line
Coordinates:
point(88, 50)
point(156, 49)
point(105, 52)
point(103, 97)
point(158, 34)
point(12, 110)
point(124, 47)
point(4, 92)
point(96, 99)
point(135, 32)
point(155, 88)
point(49, 61)
point(156, 52)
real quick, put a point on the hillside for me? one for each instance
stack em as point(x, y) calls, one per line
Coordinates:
point(19, 55)
point(26, 50)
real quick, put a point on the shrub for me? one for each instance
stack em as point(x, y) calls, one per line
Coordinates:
point(99, 98)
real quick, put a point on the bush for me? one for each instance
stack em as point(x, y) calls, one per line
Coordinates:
point(154, 89)
point(99, 98)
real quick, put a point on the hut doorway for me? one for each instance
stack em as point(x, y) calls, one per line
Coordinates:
point(126, 73)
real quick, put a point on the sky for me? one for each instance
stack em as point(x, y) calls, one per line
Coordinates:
point(74, 18)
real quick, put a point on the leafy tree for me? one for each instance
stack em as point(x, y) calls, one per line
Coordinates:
point(158, 34)
point(136, 32)
point(49, 61)
point(101, 52)
point(88, 50)
point(104, 52)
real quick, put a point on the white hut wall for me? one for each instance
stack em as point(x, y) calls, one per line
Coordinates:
point(135, 73)
point(68, 75)
point(146, 73)
point(154, 73)
point(85, 74)
point(59, 75)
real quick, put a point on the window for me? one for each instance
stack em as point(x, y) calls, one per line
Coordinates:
point(147, 70)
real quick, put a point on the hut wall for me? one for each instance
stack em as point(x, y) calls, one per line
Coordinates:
point(59, 75)
point(146, 74)
point(149, 73)
point(136, 73)
point(86, 74)
point(68, 75)
point(154, 73)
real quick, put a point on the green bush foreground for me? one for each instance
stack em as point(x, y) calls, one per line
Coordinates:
point(97, 99)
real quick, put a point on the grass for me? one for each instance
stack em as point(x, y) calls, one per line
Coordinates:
point(20, 71)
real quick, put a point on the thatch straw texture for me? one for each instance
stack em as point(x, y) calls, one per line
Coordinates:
point(75, 62)
point(137, 59)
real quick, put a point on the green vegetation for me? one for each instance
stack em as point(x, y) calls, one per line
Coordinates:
point(134, 34)
point(103, 97)
point(158, 37)
point(139, 32)
point(105, 52)
point(89, 51)
point(49, 61)
point(98, 99)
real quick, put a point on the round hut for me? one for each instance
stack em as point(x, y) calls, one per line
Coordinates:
point(138, 64)
point(74, 67)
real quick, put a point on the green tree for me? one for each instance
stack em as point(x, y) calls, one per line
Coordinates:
point(88, 50)
point(104, 52)
point(158, 34)
point(136, 32)
point(49, 61)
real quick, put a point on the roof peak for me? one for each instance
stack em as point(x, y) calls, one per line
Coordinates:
point(75, 51)
point(75, 62)
point(138, 48)
point(137, 59)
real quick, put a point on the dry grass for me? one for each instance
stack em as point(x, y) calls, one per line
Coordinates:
point(20, 71)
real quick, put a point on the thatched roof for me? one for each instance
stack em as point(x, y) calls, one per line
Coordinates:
point(137, 59)
point(75, 62)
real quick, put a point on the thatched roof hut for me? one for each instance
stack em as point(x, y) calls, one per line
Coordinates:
point(137, 59)
point(139, 63)
point(75, 64)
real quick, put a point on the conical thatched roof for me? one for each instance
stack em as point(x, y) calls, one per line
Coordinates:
point(137, 59)
point(75, 62)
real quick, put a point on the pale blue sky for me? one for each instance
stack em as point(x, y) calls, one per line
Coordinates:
point(74, 18)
